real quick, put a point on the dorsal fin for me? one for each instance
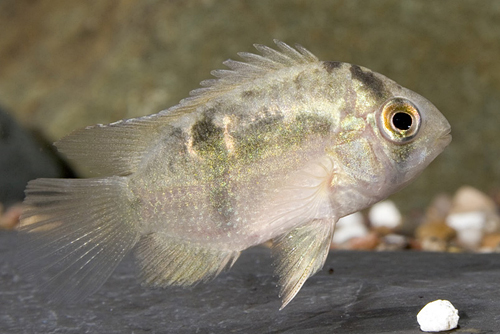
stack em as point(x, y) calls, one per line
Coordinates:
point(118, 148)
point(253, 67)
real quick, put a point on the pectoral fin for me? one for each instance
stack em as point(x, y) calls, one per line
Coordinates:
point(300, 253)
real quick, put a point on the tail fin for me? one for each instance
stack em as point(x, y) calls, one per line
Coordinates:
point(79, 230)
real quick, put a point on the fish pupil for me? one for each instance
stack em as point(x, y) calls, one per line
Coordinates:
point(402, 121)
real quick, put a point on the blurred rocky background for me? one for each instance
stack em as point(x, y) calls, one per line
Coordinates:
point(68, 64)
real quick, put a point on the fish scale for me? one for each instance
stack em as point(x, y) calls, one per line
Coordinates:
point(278, 147)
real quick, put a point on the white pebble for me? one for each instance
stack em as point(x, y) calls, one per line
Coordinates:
point(395, 240)
point(437, 316)
point(469, 227)
point(467, 220)
point(385, 214)
point(348, 227)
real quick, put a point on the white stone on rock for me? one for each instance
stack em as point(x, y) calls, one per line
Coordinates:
point(437, 316)
point(385, 214)
point(469, 226)
point(466, 220)
point(395, 241)
point(468, 199)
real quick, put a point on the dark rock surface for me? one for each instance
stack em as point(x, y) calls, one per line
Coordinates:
point(367, 293)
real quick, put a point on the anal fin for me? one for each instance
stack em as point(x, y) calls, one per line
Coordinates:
point(299, 254)
point(165, 261)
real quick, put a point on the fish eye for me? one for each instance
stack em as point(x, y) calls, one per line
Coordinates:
point(402, 120)
point(399, 120)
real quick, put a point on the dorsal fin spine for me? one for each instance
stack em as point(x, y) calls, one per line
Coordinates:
point(252, 67)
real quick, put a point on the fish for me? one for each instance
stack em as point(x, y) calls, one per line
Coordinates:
point(277, 147)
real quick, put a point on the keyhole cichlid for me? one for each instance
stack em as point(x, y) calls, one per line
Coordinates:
point(277, 147)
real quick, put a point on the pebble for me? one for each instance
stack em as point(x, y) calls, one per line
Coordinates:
point(366, 243)
point(393, 242)
point(435, 230)
point(473, 215)
point(385, 215)
point(438, 316)
point(470, 227)
point(491, 243)
point(468, 199)
point(348, 227)
point(468, 221)
point(10, 218)
point(438, 209)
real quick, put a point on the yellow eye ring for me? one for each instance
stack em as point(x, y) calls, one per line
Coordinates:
point(399, 120)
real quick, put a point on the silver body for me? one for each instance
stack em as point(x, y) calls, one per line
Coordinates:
point(279, 148)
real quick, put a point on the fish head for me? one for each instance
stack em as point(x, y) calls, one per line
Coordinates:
point(412, 132)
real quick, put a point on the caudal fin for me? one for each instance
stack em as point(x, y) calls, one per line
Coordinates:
point(79, 230)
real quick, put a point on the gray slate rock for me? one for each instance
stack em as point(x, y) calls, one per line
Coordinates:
point(368, 292)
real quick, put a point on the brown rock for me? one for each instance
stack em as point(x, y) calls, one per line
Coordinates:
point(469, 199)
point(491, 243)
point(369, 242)
point(435, 236)
point(437, 230)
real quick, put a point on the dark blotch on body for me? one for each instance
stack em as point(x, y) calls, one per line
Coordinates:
point(209, 143)
point(331, 65)
point(205, 132)
point(369, 80)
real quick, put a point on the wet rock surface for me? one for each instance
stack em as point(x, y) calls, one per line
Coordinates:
point(356, 292)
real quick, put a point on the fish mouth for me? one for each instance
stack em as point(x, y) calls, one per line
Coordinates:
point(446, 137)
